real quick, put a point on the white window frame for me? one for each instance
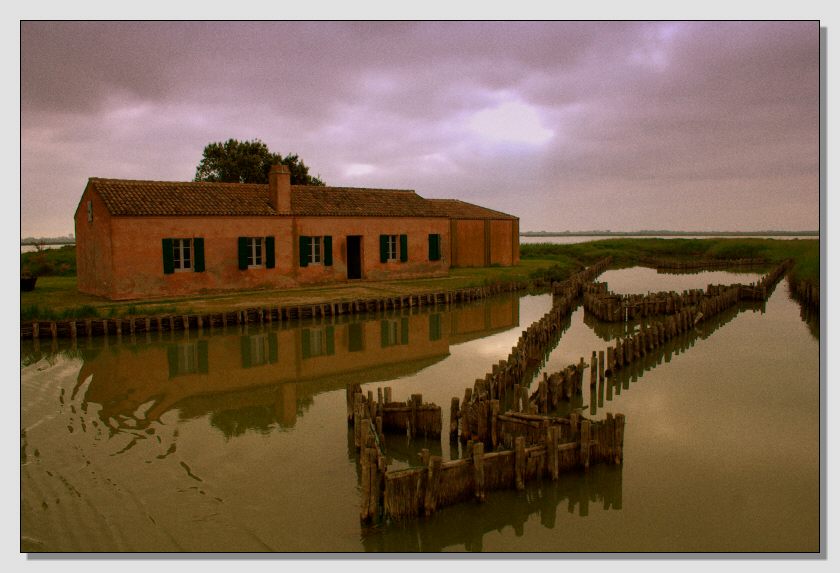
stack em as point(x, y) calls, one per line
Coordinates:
point(179, 246)
point(393, 248)
point(316, 252)
point(256, 252)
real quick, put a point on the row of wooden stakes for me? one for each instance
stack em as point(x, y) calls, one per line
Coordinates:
point(168, 322)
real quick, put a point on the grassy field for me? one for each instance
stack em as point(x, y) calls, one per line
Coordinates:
point(56, 296)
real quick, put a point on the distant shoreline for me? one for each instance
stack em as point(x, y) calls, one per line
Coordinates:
point(669, 234)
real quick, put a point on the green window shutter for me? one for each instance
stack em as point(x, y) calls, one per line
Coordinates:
point(305, 247)
point(304, 342)
point(198, 260)
point(383, 326)
point(272, 348)
point(245, 346)
point(203, 362)
point(355, 337)
point(243, 253)
point(327, 251)
point(168, 262)
point(404, 330)
point(172, 358)
point(403, 248)
point(269, 252)
point(383, 248)
point(330, 331)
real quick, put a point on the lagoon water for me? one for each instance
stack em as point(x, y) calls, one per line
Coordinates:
point(238, 440)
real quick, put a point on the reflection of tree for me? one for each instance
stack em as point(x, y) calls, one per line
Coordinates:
point(257, 418)
point(577, 491)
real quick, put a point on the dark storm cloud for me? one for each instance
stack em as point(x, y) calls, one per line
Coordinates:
point(665, 124)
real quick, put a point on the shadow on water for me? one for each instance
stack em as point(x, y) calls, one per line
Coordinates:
point(574, 492)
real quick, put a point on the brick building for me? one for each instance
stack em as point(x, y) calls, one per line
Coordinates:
point(137, 239)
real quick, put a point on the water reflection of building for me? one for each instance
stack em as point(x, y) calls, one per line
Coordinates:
point(258, 377)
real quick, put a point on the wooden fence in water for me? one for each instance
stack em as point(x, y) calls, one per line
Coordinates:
point(699, 264)
point(412, 417)
point(72, 328)
point(414, 492)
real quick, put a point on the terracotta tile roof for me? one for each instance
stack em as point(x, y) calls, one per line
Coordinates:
point(455, 209)
point(165, 198)
point(356, 202)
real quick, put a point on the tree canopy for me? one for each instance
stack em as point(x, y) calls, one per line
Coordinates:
point(248, 162)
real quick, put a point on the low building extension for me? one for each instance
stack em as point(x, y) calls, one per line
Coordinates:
point(140, 239)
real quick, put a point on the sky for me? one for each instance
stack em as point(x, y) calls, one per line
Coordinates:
point(575, 126)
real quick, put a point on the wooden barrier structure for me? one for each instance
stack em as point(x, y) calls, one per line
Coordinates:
point(609, 307)
point(696, 264)
point(806, 293)
point(414, 492)
point(261, 315)
point(412, 417)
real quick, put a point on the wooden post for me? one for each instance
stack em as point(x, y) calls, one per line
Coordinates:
point(593, 373)
point(551, 443)
point(387, 394)
point(380, 406)
point(432, 484)
point(478, 470)
point(585, 439)
point(379, 426)
point(519, 462)
point(357, 418)
point(416, 399)
point(424, 457)
point(454, 414)
point(494, 415)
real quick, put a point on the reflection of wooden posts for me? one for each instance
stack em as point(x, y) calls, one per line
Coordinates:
point(478, 470)
point(584, 443)
point(601, 365)
point(552, 441)
point(619, 438)
point(494, 422)
point(593, 372)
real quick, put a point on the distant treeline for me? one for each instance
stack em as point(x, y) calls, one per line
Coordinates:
point(48, 241)
point(669, 233)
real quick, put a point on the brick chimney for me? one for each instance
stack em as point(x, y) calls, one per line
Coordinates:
point(280, 188)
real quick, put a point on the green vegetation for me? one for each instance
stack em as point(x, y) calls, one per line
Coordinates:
point(57, 297)
point(248, 162)
point(804, 252)
point(49, 262)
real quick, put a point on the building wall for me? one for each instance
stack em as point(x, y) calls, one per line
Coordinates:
point(93, 246)
point(138, 255)
point(339, 228)
point(484, 242)
point(135, 269)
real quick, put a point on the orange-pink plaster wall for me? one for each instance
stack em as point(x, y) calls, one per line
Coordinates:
point(417, 230)
point(93, 246)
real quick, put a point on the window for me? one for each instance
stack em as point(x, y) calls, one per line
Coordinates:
point(183, 255)
point(256, 253)
point(434, 327)
point(355, 337)
point(393, 248)
point(316, 251)
point(90, 211)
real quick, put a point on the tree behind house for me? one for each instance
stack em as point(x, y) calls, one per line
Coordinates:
point(248, 162)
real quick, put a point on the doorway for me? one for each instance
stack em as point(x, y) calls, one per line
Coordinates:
point(354, 257)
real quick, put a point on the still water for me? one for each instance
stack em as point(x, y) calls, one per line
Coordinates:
point(238, 441)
